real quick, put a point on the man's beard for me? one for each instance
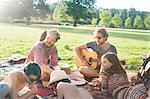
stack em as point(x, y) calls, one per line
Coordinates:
point(48, 45)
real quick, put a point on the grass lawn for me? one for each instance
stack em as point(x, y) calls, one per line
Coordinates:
point(18, 39)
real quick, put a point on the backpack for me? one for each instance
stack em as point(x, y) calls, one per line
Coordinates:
point(145, 68)
point(144, 72)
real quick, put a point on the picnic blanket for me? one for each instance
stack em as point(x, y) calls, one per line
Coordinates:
point(16, 63)
point(77, 79)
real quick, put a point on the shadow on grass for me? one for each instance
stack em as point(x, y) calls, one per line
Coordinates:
point(67, 29)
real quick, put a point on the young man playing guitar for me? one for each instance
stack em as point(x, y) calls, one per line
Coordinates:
point(100, 46)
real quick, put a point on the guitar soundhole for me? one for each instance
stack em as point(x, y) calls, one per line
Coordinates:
point(90, 59)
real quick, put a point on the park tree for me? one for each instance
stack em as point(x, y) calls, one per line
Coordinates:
point(59, 14)
point(144, 14)
point(13, 9)
point(116, 20)
point(105, 17)
point(9, 9)
point(132, 14)
point(123, 15)
point(147, 22)
point(80, 9)
point(139, 13)
point(94, 21)
point(128, 23)
point(97, 12)
point(41, 8)
point(27, 6)
point(113, 11)
point(138, 23)
point(30, 7)
point(52, 8)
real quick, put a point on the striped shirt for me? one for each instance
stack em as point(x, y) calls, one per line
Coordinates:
point(118, 86)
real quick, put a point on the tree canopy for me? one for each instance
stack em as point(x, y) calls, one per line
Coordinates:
point(80, 9)
point(73, 12)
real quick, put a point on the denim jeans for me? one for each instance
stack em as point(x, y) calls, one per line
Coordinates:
point(4, 90)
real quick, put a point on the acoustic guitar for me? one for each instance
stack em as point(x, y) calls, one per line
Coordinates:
point(90, 56)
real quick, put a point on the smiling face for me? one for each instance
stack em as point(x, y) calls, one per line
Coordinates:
point(50, 40)
point(100, 39)
point(105, 63)
point(111, 63)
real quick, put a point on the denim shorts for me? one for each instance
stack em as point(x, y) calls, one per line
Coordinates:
point(4, 90)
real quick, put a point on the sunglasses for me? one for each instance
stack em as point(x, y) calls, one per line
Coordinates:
point(99, 37)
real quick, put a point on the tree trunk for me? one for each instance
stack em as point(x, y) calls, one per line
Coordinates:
point(10, 20)
point(75, 22)
point(28, 20)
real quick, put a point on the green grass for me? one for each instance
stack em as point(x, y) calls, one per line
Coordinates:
point(18, 39)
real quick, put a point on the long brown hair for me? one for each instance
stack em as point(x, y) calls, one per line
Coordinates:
point(116, 65)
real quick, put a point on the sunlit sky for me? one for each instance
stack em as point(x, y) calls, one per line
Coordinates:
point(139, 5)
